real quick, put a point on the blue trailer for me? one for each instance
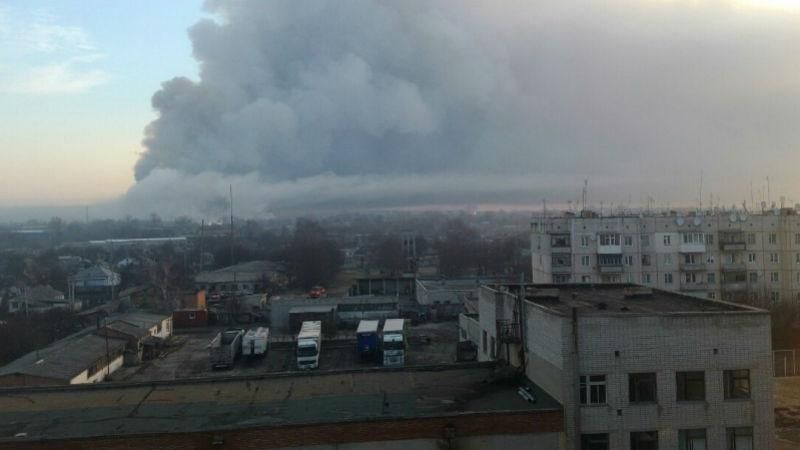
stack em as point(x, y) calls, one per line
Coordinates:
point(367, 338)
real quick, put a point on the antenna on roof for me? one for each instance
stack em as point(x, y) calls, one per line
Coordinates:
point(584, 194)
point(701, 190)
point(230, 187)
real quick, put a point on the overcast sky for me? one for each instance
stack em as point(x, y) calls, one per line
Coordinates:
point(367, 103)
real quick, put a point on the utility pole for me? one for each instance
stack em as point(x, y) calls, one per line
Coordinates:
point(230, 186)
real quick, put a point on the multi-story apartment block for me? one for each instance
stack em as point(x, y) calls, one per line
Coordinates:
point(635, 368)
point(729, 256)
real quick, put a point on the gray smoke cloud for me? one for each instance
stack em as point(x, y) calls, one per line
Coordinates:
point(376, 103)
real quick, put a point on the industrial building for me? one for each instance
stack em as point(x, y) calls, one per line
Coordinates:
point(240, 279)
point(635, 367)
point(733, 256)
point(345, 311)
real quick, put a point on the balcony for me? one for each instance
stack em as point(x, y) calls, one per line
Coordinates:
point(692, 267)
point(734, 286)
point(562, 269)
point(508, 332)
point(732, 246)
point(609, 249)
point(733, 267)
point(691, 287)
point(692, 248)
point(560, 243)
point(611, 268)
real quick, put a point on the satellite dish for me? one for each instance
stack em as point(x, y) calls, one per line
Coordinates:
point(776, 212)
point(680, 221)
point(733, 217)
point(742, 216)
point(697, 221)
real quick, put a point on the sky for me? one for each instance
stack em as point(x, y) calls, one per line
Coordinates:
point(136, 108)
point(75, 85)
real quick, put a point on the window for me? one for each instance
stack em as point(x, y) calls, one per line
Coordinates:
point(773, 238)
point(690, 258)
point(609, 239)
point(645, 260)
point(737, 384)
point(586, 279)
point(492, 348)
point(628, 241)
point(692, 439)
point(797, 238)
point(644, 440)
point(642, 387)
point(691, 386)
point(584, 241)
point(773, 257)
point(560, 278)
point(586, 260)
point(646, 278)
point(191, 316)
point(667, 260)
point(711, 295)
point(667, 278)
point(751, 257)
point(775, 296)
point(667, 240)
point(740, 438)
point(797, 258)
point(484, 342)
point(593, 389)
point(709, 239)
point(561, 260)
point(628, 260)
point(751, 238)
point(597, 441)
point(773, 277)
point(645, 240)
point(712, 278)
point(693, 278)
point(609, 260)
point(693, 238)
point(753, 277)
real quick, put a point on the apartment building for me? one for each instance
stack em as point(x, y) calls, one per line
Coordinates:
point(635, 368)
point(733, 256)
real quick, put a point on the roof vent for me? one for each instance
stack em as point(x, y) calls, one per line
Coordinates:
point(638, 292)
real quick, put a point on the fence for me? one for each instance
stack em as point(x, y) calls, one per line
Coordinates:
point(784, 363)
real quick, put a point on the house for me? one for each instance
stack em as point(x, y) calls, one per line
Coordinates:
point(78, 359)
point(40, 299)
point(240, 279)
point(156, 325)
point(94, 285)
point(134, 335)
point(635, 367)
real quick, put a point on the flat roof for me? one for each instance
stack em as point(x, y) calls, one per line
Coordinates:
point(620, 299)
point(203, 405)
point(460, 284)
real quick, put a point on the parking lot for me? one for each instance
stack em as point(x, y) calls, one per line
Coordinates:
point(186, 354)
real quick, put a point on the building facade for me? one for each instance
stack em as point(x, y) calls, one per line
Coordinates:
point(728, 256)
point(636, 368)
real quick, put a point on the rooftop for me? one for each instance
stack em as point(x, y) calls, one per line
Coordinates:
point(620, 299)
point(141, 319)
point(64, 359)
point(459, 284)
point(272, 400)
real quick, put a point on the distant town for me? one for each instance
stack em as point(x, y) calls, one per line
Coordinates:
point(639, 330)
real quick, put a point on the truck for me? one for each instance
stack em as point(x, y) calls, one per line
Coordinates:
point(393, 342)
point(309, 345)
point(255, 342)
point(367, 339)
point(225, 348)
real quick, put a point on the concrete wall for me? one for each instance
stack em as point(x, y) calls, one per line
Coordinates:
point(546, 347)
point(666, 344)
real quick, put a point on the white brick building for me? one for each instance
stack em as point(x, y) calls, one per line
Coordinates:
point(729, 256)
point(636, 368)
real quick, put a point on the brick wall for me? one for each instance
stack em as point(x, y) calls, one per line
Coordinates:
point(468, 425)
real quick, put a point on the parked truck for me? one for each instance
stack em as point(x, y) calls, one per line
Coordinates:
point(225, 348)
point(393, 342)
point(309, 345)
point(367, 339)
point(255, 342)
